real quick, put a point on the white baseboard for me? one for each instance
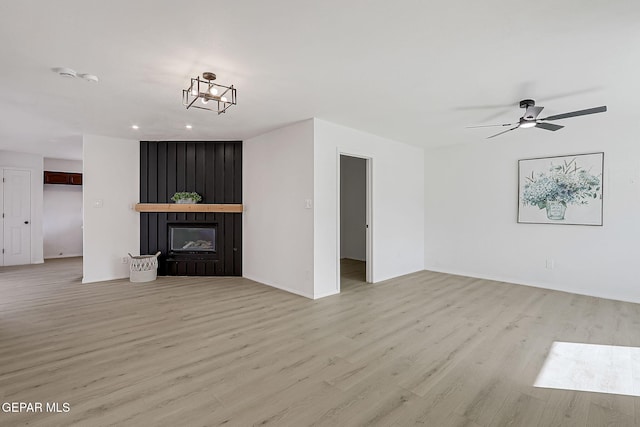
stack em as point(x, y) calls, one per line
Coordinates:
point(326, 294)
point(63, 256)
point(282, 288)
point(103, 279)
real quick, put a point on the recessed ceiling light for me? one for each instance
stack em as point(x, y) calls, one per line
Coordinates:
point(68, 72)
point(136, 127)
point(188, 126)
point(89, 77)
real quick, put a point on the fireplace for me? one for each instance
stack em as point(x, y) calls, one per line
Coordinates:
point(192, 249)
point(192, 238)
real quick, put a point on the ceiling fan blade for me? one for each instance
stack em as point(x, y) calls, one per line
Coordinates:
point(577, 113)
point(532, 112)
point(548, 126)
point(485, 107)
point(543, 98)
point(505, 131)
point(489, 126)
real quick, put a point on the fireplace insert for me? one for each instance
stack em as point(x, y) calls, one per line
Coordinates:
point(192, 239)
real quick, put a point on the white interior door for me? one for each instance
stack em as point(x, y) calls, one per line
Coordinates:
point(16, 217)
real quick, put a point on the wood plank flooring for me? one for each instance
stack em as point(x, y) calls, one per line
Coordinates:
point(424, 349)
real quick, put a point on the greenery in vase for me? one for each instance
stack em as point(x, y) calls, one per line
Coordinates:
point(186, 196)
point(567, 183)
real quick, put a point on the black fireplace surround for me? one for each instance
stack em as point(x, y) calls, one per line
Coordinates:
point(193, 243)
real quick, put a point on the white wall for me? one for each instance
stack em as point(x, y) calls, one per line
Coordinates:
point(33, 163)
point(471, 212)
point(397, 205)
point(353, 207)
point(62, 212)
point(111, 179)
point(278, 229)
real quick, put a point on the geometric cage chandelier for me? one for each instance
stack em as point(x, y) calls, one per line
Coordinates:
point(213, 97)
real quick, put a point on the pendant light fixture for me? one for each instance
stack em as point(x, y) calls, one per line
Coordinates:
point(213, 96)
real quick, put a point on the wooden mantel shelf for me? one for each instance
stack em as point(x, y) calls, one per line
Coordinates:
point(196, 207)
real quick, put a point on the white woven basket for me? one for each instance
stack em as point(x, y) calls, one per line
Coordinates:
point(143, 268)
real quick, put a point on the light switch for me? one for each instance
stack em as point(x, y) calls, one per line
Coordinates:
point(97, 203)
point(308, 204)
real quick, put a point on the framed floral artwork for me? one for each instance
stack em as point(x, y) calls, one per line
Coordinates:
point(561, 190)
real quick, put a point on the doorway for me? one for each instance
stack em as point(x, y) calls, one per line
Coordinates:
point(62, 211)
point(354, 243)
point(15, 203)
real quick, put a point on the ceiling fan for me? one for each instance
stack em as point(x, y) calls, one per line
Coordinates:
point(530, 118)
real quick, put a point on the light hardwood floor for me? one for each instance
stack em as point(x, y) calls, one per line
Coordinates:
point(428, 348)
point(352, 274)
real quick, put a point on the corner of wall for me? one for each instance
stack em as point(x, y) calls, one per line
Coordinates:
point(278, 228)
point(471, 191)
point(111, 227)
point(397, 179)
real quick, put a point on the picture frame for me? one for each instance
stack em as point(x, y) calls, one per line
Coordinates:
point(559, 190)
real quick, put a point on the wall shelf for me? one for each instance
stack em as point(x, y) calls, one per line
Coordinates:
point(196, 207)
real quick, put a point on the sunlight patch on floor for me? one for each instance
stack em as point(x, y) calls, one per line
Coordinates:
point(591, 367)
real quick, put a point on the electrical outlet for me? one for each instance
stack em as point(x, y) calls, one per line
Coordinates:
point(550, 264)
point(125, 260)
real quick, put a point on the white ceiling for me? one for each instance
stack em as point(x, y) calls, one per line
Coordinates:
point(414, 71)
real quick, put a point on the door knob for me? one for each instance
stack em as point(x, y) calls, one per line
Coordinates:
point(26, 222)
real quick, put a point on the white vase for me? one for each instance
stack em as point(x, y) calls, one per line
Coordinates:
point(555, 210)
point(185, 201)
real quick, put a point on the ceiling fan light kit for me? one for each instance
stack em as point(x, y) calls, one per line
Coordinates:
point(213, 96)
point(530, 118)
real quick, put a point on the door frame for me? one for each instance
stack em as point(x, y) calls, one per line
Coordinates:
point(369, 216)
